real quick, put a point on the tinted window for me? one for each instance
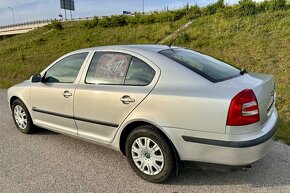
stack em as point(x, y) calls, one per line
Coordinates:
point(108, 68)
point(66, 70)
point(139, 73)
point(204, 65)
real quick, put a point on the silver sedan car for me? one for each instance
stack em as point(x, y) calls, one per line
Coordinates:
point(159, 105)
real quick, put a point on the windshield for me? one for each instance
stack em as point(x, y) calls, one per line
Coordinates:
point(204, 65)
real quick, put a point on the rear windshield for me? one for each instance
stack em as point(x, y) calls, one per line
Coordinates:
point(204, 65)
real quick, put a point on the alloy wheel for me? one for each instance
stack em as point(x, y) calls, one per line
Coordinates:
point(147, 156)
point(20, 117)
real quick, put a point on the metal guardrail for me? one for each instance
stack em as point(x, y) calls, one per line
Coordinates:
point(43, 22)
point(26, 23)
point(50, 20)
point(25, 27)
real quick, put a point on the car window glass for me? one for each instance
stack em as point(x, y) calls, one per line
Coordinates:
point(66, 70)
point(204, 65)
point(139, 73)
point(108, 68)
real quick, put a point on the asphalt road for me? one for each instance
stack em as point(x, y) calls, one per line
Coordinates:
point(50, 162)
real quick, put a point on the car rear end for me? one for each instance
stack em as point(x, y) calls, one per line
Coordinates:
point(252, 118)
point(258, 105)
point(250, 121)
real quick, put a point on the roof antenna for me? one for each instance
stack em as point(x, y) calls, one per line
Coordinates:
point(169, 45)
point(178, 32)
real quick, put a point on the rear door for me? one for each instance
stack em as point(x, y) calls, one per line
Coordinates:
point(114, 85)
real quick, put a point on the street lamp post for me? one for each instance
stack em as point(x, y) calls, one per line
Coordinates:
point(143, 6)
point(12, 14)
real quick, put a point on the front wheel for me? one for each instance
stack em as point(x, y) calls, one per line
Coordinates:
point(22, 117)
point(149, 154)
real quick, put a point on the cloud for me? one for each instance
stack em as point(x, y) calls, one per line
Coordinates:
point(30, 10)
point(27, 10)
point(19, 3)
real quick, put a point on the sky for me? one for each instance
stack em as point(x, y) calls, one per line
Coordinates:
point(30, 10)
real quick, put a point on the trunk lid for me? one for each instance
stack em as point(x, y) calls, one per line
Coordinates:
point(264, 88)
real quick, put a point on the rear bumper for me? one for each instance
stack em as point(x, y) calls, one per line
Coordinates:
point(234, 150)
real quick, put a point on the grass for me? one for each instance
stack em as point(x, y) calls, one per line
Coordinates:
point(260, 43)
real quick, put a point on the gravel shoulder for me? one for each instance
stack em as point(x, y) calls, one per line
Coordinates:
point(50, 162)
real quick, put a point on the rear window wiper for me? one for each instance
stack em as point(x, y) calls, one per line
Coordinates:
point(243, 71)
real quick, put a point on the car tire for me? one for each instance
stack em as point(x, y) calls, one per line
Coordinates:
point(150, 154)
point(22, 117)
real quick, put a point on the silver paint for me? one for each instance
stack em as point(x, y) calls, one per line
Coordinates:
point(178, 102)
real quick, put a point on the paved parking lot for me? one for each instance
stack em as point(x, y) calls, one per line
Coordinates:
point(50, 162)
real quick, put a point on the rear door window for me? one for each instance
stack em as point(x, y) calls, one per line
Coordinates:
point(139, 73)
point(119, 69)
point(108, 68)
point(204, 65)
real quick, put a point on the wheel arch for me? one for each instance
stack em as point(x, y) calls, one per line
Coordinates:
point(132, 125)
point(12, 99)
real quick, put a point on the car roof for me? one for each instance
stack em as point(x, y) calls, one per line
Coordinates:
point(140, 47)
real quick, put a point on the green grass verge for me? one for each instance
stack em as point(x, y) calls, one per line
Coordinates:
point(260, 43)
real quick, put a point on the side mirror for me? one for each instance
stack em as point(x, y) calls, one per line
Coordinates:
point(36, 78)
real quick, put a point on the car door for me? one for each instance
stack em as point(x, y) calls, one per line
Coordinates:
point(52, 98)
point(114, 85)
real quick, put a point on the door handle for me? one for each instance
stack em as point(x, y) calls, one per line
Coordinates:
point(127, 99)
point(67, 94)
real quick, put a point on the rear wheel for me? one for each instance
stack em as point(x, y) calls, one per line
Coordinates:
point(149, 154)
point(22, 117)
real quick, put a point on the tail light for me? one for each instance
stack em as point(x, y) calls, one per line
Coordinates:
point(243, 109)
